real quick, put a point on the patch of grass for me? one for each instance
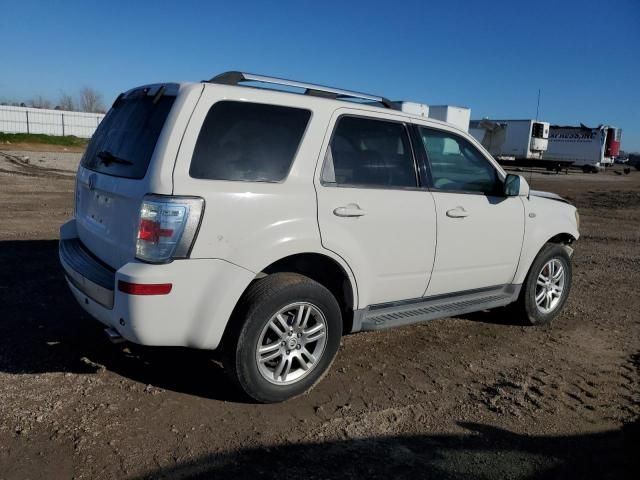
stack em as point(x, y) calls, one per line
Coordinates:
point(66, 141)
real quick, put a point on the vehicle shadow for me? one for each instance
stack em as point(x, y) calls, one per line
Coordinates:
point(495, 316)
point(42, 329)
point(486, 452)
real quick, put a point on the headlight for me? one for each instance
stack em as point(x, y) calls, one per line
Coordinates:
point(577, 220)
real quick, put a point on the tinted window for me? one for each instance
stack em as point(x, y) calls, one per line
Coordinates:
point(248, 141)
point(456, 164)
point(368, 152)
point(124, 141)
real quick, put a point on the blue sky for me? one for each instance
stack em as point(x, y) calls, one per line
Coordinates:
point(491, 56)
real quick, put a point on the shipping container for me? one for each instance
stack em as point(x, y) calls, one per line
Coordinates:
point(458, 116)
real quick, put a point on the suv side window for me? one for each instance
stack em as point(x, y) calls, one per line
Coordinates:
point(369, 153)
point(248, 142)
point(456, 164)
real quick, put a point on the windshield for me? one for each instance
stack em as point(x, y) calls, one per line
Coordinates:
point(124, 141)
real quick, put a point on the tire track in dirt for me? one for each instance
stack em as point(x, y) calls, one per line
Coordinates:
point(18, 166)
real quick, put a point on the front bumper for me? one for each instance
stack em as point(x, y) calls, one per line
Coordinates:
point(193, 314)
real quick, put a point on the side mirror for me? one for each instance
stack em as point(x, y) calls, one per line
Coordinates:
point(515, 186)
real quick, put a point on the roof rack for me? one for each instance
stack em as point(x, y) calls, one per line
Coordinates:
point(236, 78)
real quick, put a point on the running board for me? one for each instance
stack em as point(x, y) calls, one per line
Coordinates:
point(395, 314)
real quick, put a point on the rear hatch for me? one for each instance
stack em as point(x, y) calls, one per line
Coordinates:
point(113, 175)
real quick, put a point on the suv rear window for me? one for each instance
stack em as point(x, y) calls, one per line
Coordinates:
point(248, 142)
point(124, 141)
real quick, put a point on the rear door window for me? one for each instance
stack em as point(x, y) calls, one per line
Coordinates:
point(248, 142)
point(124, 142)
point(370, 153)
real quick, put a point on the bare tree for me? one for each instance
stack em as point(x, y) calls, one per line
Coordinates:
point(66, 102)
point(39, 102)
point(91, 101)
point(9, 102)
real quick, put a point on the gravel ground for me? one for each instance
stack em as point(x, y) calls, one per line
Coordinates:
point(477, 396)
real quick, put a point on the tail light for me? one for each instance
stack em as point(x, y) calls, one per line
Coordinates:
point(167, 227)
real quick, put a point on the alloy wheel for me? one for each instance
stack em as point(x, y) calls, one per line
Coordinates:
point(550, 286)
point(291, 343)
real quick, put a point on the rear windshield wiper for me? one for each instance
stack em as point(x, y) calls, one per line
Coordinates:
point(107, 157)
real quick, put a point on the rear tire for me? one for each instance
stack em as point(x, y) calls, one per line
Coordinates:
point(284, 336)
point(547, 286)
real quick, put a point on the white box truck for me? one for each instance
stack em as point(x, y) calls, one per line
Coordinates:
point(582, 146)
point(521, 142)
point(414, 108)
point(458, 116)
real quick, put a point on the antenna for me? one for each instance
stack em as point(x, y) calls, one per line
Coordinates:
point(538, 106)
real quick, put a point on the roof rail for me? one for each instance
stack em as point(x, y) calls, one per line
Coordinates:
point(236, 78)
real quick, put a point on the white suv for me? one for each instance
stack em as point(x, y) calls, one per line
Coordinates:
point(268, 223)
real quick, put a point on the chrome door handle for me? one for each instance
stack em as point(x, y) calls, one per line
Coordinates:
point(458, 212)
point(351, 210)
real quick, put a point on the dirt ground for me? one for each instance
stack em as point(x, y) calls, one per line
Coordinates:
point(39, 147)
point(473, 397)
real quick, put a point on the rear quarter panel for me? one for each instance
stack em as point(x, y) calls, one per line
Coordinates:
point(159, 178)
point(253, 224)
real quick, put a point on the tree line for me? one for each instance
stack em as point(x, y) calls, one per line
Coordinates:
point(87, 100)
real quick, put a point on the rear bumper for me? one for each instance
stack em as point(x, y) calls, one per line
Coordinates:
point(86, 273)
point(194, 314)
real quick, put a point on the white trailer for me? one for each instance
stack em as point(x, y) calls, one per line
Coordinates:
point(586, 147)
point(512, 141)
point(414, 108)
point(458, 116)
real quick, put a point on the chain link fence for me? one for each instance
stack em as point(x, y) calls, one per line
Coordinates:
point(48, 122)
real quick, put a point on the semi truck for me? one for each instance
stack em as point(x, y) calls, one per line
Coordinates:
point(585, 147)
point(513, 142)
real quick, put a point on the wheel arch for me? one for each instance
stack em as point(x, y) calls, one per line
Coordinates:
point(322, 268)
point(564, 238)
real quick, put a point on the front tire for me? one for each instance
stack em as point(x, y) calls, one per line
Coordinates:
point(287, 332)
point(547, 285)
